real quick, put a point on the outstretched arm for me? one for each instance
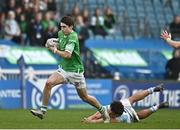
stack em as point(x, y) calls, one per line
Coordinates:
point(96, 115)
point(100, 120)
point(167, 37)
point(97, 118)
point(86, 120)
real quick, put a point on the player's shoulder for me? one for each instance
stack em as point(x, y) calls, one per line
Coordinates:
point(73, 35)
point(125, 101)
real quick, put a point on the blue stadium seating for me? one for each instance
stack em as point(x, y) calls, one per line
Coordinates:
point(159, 13)
point(149, 49)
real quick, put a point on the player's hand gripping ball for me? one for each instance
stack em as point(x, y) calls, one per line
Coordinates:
point(51, 43)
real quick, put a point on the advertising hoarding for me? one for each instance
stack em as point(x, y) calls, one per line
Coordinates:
point(65, 96)
point(126, 89)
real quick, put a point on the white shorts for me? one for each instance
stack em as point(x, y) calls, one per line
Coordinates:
point(77, 79)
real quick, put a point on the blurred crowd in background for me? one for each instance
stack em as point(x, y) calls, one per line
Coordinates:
point(32, 22)
point(28, 22)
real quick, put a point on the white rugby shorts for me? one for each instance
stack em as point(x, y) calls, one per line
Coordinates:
point(77, 79)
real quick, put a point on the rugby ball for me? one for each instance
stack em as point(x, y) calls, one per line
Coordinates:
point(52, 42)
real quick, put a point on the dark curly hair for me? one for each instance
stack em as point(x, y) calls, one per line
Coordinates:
point(117, 107)
point(67, 20)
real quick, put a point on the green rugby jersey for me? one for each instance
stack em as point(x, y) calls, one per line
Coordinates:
point(70, 43)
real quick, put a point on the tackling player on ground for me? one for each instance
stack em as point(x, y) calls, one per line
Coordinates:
point(122, 111)
point(70, 69)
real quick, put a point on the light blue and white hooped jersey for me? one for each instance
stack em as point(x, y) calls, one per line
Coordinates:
point(129, 115)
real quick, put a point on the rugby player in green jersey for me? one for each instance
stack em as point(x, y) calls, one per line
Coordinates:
point(70, 69)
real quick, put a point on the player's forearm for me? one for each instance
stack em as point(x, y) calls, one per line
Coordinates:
point(175, 44)
point(97, 115)
point(63, 54)
point(97, 121)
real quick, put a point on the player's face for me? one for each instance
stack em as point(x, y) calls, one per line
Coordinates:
point(112, 114)
point(65, 28)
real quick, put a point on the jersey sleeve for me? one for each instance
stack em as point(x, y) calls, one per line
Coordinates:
point(70, 47)
point(71, 43)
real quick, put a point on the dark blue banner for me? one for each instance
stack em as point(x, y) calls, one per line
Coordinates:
point(10, 94)
point(126, 89)
point(101, 89)
point(65, 96)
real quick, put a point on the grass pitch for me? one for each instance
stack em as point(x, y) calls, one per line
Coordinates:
point(71, 119)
